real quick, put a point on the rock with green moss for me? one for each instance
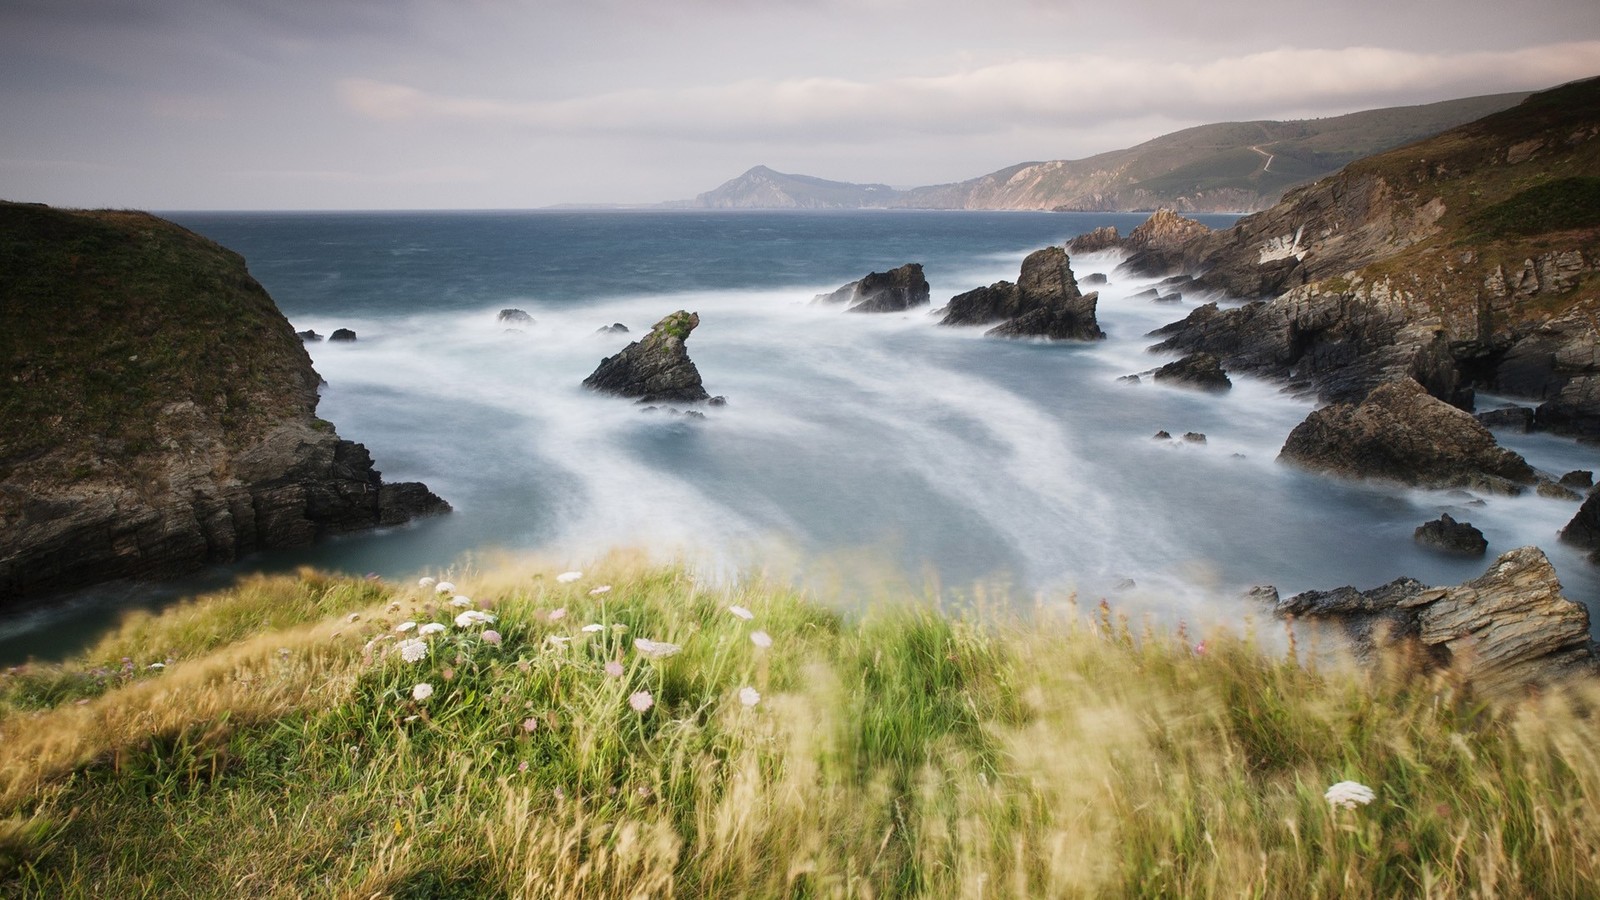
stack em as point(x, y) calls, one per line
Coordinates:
point(655, 368)
point(160, 410)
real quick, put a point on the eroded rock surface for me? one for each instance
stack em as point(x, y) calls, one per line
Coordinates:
point(656, 368)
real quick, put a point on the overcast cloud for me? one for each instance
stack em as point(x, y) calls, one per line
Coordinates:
point(184, 104)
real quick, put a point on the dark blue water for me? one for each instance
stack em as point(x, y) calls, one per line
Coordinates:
point(854, 450)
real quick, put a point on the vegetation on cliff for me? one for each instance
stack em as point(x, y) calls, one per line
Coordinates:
point(632, 732)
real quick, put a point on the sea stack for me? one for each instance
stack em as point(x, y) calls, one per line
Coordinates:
point(1045, 302)
point(655, 368)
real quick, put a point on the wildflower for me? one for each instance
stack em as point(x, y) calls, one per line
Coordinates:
point(558, 640)
point(742, 613)
point(641, 701)
point(473, 617)
point(559, 794)
point(156, 665)
point(522, 766)
point(445, 587)
point(492, 637)
point(614, 669)
point(353, 617)
point(592, 627)
point(460, 602)
point(426, 582)
point(530, 725)
point(431, 628)
point(1349, 794)
point(568, 577)
point(405, 626)
point(655, 649)
point(557, 615)
point(761, 639)
point(602, 589)
point(413, 650)
point(1200, 649)
point(394, 606)
point(421, 691)
point(749, 696)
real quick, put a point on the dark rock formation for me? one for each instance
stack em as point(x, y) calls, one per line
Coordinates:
point(1445, 533)
point(1194, 437)
point(1508, 628)
point(1146, 294)
point(1197, 370)
point(655, 368)
point(1173, 297)
point(1583, 531)
point(1162, 435)
point(1578, 479)
point(1553, 491)
point(308, 336)
point(197, 444)
point(1045, 302)
point(514, 317)
point(1093, 278)
point(1400, 433)
point(613, 328)
point(1103, 238)
point(1512, 418)
point(896, 290)
point(342, 334)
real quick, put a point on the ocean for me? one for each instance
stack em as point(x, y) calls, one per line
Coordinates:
point(860, 455)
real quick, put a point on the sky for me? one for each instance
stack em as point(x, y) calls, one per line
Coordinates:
point(513, 104)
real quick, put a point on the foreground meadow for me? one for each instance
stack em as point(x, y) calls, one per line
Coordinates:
point(628, 732)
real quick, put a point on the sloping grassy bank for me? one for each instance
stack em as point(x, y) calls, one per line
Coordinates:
point(284, 748)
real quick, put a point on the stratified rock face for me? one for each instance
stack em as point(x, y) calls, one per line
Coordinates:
point(655, 368)
point(896, 290)
point(1103, 238)
point(1508, 628)
point(1157, 246)
point(163, 416)
point(1197, 370)
point(1450, 536)
point(1400, 433)
point(1045, 302)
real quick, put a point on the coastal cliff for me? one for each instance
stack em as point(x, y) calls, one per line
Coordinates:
point(160, 410)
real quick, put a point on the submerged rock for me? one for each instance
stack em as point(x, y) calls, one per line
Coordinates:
point(1445, 533)
point(655, 368)
point(1197, 370)
point(514, 317)
point(896, 290)
point(1510, 627)
point(342, 334)
point(613, 328)
point(1513, 418)
point(1093, 278)
point(1045, 302)
point(1400, 433)
point(309, 336)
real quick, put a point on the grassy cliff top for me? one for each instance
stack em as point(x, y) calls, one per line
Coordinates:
point(632, 732)
point(110, 317)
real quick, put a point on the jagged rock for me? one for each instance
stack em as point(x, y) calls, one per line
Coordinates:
point(342, 334)
point(1583, 531)
point(216, 454)
point(1103, 238)
point(1128, 379)
point(1197, 370)
point(1445, 533)
point(1553, 491)
point(656, 368)
point(1508, 628)
point(1045, 302)
point(1400, 433)
point(1173, 297)
point(1578, 479)
point(1157, 246)
point(613, 328)
point(1194, 437)
point(1512, 418)
point(309, 336)
point(896, 290)
point(1162, 435)
point(1093, 278)
point(514, 317)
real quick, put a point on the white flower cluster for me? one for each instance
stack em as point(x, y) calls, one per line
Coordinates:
point(655, 649)
point(1349, 795)
point(413, 650)
point(473, 617)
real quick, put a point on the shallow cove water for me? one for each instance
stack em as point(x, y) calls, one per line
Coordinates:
point(854, 449)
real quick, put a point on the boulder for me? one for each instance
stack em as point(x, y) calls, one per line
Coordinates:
point(1102, 238)
point(656, 368)
point(308, 336)
point(1197, 370)
point(1512, 418)
point(1578, 479)
point(1045, 302)
point(1508, 628)
point(896, 290)
point(1445, 533)
point(613, 328)
point(342, 334)
point(1583, 531)
point(1093, 278)
point(514, 317)
point(1400, 433)
point(1194, 437)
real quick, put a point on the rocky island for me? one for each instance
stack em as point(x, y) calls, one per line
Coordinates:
point(656, 368)
point(160, 410)
point(1045, 302)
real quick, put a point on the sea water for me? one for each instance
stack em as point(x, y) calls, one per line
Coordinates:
point(856, 453)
